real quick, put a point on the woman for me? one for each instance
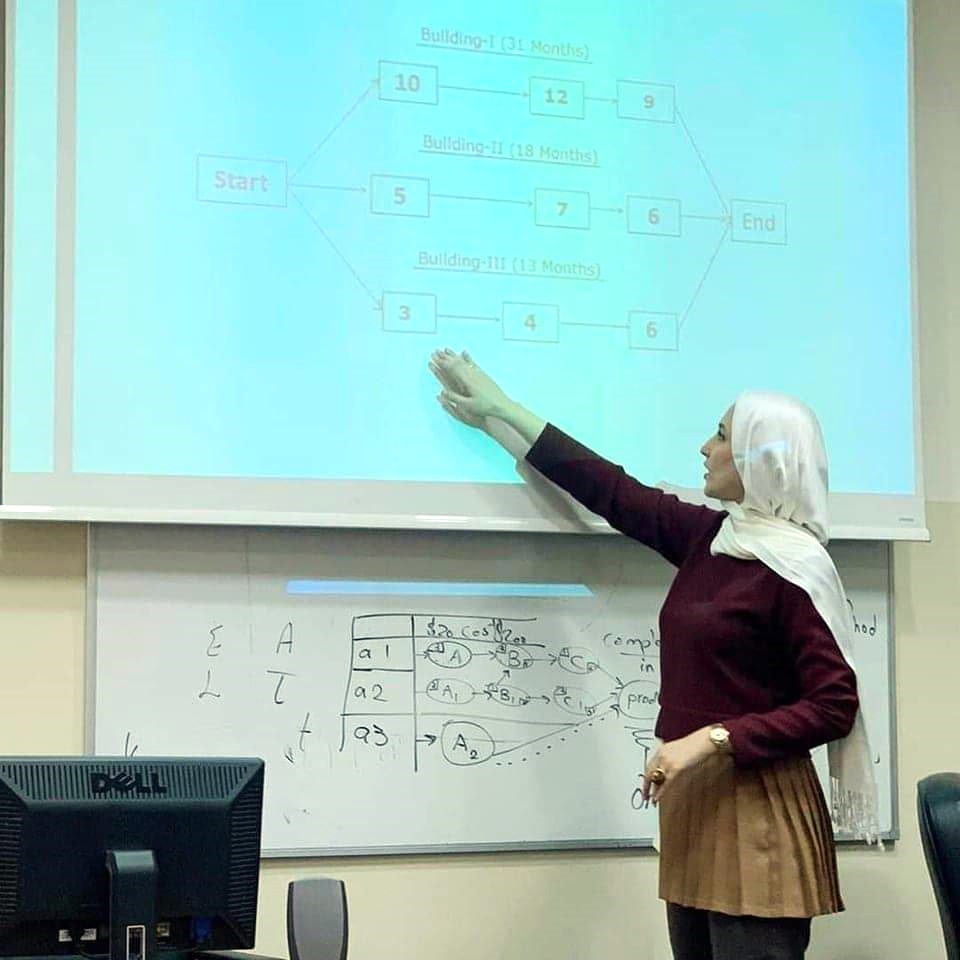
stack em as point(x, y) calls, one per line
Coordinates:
point(755, 666)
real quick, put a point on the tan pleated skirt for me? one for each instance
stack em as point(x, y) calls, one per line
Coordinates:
point(755, 841)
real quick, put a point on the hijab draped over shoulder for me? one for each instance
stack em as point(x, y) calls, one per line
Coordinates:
point(779, 453)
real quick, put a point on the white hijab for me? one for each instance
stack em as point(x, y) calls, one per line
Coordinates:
point(779, 453)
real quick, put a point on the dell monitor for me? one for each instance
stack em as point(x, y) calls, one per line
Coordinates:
point(128, 858)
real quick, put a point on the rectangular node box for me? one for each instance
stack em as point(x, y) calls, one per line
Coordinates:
point(758, 221)
point(246, 181)
point(567, 209)
point(399, 196)
point(659, 216)
point(409, 82)
point(649, 330)
point(536, 322)
point(551, 97)
point(638, 100)
point(405, 312)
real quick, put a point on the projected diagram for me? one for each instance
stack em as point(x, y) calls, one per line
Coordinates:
point(485, 690)
point(547, 96)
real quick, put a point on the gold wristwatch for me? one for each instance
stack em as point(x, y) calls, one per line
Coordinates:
point(720, 737)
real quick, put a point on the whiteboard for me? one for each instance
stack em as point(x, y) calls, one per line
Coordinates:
point(414, 690)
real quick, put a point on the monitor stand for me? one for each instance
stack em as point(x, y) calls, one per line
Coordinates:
point(133, 904)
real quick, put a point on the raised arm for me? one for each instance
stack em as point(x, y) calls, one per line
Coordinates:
point(659, 520)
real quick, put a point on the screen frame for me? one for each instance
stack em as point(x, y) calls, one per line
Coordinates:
point(426, 505)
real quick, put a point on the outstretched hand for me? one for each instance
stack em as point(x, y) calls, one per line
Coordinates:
point(468, 393)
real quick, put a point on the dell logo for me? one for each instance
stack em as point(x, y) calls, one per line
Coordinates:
point(127, 783)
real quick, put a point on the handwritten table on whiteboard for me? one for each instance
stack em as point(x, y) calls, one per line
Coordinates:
point(414, 690)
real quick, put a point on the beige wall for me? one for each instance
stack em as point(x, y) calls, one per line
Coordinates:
point(603, 905)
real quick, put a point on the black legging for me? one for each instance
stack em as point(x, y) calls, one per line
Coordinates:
point(705, 935)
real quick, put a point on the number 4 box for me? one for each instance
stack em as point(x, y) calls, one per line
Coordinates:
point(537, 322)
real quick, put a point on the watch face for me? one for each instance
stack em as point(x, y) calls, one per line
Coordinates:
point(719, 736)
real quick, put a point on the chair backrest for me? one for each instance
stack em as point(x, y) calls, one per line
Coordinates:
point(317, 919)
point(938, 810)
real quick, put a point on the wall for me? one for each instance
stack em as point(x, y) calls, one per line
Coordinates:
point(593, 905)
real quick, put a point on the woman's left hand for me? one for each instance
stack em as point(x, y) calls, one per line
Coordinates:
point(672, 759)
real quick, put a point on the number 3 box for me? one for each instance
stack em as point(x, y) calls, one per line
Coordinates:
point(405, 312)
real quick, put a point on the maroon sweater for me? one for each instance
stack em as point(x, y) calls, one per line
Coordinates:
point(738, 643)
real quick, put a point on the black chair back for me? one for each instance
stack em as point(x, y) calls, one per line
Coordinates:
point(938, 809)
